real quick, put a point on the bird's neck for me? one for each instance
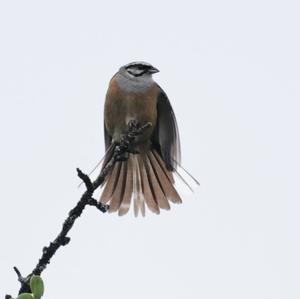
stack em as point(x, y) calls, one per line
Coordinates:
point(134, 84)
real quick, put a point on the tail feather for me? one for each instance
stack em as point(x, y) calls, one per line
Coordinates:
point(136, 187)
point(126, 200)
point(116, 197)
point(155, 187)
point(163, 166)
point(150, 200)
point(140, 198)
point(168, 189)
point(111, 184)
point(144, 180)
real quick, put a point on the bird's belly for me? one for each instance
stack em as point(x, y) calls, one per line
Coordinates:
point(118, 114)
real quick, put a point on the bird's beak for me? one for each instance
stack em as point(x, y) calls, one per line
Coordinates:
point(153, 70)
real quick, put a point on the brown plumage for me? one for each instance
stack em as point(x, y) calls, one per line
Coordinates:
point(145, 179)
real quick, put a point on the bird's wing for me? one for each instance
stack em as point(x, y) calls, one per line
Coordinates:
point(166, 137)
point(107, 138)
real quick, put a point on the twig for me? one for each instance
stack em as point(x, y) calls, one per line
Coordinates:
point(62, 239)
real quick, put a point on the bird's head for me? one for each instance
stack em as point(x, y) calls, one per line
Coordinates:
point(139, 69)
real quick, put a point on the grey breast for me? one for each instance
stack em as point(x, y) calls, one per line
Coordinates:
point(134, 84)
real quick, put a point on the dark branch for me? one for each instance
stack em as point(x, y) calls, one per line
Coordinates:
point(62, 239)
point(100, 206)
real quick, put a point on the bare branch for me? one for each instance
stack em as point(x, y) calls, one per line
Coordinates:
point(62, 239)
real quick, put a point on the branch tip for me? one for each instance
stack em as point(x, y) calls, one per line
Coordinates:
point(79, 172)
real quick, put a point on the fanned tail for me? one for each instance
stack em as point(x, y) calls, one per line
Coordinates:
point(143, 180)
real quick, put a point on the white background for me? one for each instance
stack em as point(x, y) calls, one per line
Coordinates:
point(231, 70)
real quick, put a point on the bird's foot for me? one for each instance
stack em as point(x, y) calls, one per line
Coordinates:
point(124, 155)
point(121, 154)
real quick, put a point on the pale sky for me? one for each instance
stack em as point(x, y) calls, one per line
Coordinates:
point(231, 71)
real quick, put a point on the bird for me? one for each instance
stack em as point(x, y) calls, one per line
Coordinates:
point(144, 179)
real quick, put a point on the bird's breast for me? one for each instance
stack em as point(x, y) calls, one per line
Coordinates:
point(121, 106)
